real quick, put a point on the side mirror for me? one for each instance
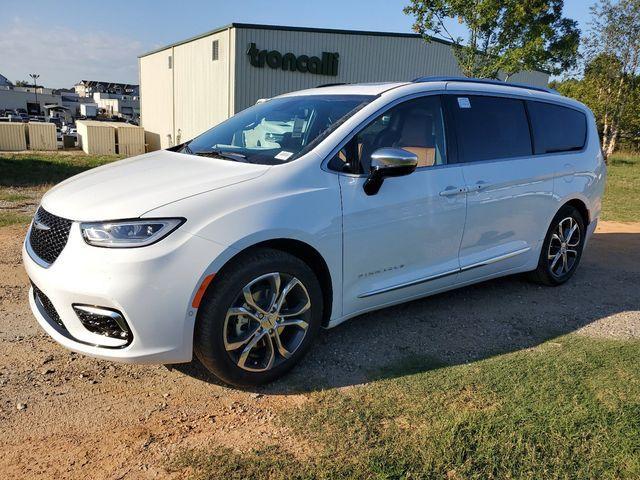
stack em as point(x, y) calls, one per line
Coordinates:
point(388, 162)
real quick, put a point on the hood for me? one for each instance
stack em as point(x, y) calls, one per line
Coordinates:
point(129, 188)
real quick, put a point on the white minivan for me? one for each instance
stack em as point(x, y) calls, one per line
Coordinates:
point(308, 209)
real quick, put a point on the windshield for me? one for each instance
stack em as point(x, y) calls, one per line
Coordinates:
point(276, 131)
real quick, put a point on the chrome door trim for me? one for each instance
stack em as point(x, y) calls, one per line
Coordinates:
point(495, 259)
point(408, 284)
point(444, 274)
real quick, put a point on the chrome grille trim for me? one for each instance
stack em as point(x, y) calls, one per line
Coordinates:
point(47, 237)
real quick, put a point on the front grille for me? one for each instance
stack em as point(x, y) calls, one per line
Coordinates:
point(48, 235)
point(49, 309)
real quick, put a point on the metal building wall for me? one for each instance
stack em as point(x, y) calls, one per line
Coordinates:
point(156, 99)
point(363, 58)
point(201, 85)
point(197, 93)
point(180, 102)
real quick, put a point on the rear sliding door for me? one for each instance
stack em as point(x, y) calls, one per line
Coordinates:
point(510, 191)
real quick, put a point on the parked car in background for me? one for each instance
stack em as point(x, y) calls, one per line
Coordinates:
point(57, 121)
point(13, 117)
point(361, 196)
point(70, 129)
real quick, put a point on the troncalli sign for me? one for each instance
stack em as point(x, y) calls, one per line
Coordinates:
point(327, 65)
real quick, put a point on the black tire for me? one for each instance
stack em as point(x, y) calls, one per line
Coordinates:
point(559, 274)
point(224, 291)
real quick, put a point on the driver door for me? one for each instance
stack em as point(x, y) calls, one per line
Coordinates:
point(404, 241)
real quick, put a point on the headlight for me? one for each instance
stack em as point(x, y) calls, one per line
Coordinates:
point(128, 233)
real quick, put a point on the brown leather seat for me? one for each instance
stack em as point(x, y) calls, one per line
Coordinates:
point(417, 137)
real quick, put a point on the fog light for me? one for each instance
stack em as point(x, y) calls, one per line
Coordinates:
point(103, 321)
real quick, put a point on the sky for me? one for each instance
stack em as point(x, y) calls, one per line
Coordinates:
point(66, 44)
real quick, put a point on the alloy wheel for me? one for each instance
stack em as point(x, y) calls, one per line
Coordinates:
point(563, 247)
point(267, 322)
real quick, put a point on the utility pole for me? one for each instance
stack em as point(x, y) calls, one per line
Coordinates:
point(35, 77)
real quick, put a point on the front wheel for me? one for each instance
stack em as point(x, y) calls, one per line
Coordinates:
point(562, 248)
point(259, 319)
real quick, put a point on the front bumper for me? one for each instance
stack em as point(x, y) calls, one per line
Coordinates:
point(591, 228)
point(151, 286)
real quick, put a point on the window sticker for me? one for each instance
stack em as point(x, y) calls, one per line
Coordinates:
point(463, 102)
point(283, 155)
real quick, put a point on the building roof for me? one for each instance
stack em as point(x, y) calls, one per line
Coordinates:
point(4, 80)
point(93, 83)
point(293, 29)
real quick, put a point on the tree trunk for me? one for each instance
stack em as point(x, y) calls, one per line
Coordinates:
point(612, 142)
point(605, 135)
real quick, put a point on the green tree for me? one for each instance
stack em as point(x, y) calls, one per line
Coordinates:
point(505, 36)
point(612, 52)
point(22, 83)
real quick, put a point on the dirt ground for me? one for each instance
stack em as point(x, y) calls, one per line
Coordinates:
point(63, 415)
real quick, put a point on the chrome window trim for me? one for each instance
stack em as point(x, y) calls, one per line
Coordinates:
point(529, 98)
point(516, 95)
point(325, 163)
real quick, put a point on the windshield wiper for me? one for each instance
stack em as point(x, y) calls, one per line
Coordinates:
point(238, 157)
point(185, 148)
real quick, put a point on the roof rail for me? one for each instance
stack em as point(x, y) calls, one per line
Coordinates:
point(484, 81)
point(323, 85)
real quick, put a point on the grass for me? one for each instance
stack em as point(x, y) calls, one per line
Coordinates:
point(13, 218)
point(13, 197)
point(24, 178)
point(27, 170)
point(622, 195)
point(566, 409)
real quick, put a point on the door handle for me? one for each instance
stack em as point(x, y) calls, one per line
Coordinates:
point(450, 191)
point(480, 185)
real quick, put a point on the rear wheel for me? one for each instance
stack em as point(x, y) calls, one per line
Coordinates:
point(259, 319)
point(562, 248)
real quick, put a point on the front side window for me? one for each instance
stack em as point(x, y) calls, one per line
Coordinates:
point(415, 125)
point(490, 128)
point(276, 131)
point(557, 129)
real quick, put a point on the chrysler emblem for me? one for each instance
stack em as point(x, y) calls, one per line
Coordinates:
point(40, 226)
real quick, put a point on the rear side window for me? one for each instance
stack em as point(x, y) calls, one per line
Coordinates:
point(557, 129)
point(491, 127)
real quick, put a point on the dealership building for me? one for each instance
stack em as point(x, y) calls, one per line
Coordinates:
point(189, 86)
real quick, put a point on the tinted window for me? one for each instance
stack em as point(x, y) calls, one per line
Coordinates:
point(491, 127)
point(557, 129)
point(416, 126)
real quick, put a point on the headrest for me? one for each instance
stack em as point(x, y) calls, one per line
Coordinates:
point(417, 130)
